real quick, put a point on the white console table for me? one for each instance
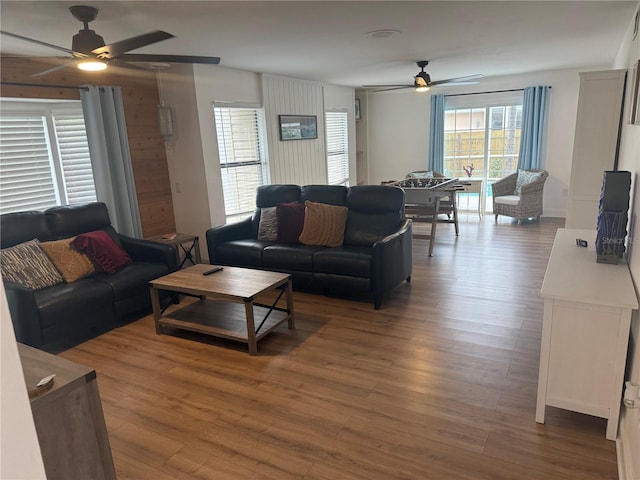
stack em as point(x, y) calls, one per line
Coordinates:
point(585, 332)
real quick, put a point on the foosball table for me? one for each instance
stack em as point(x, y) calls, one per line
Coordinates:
point(429, 198)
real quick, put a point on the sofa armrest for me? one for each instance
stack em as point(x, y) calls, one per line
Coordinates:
point(226, 233)
point(392, 259)
point(149, 251)
point(24, 314)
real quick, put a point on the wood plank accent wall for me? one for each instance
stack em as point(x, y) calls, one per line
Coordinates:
point(140, 96)
point(301, 162)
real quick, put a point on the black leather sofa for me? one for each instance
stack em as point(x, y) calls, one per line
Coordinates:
point(375, 256)
point(59, 317)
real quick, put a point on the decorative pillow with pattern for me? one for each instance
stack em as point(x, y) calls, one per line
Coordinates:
point(268, 227)
point(324, 224)
point(524, 178)
point(72, 264)
point(26, 264)
point(103, 250)
point(290, 221)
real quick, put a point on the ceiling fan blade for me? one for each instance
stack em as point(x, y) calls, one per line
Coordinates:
point(383, 86)
point(458, 79)
point(398, 87)
point(39, 42)
point(116, 49)
point(169, 58)
point(453, 84)
point(54, 69)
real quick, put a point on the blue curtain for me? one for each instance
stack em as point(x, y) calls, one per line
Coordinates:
point(533, 130)
point(110, 157)
point(436, 134)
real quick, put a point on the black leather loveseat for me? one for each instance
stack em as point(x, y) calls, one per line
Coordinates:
point(61, 316)
point(374, 257)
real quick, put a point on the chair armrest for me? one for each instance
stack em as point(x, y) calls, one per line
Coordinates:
point(24, 314)
point(532, 189)
point(392, 259)
point(149, 251)
point(227, 233)
point(505, 186)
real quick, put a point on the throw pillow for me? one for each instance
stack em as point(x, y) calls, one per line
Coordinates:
point(323, 224)
point(72, 264)
point(26, 264)
point(268, 227)
point(103, 250)
point(290, 221)
point(524, 178)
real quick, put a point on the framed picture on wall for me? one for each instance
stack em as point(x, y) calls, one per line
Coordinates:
point(298, 127)
point(357, 109)
point(634, 117)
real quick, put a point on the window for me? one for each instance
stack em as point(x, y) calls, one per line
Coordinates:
point(44, 156)
point(483, 135)
point(337, 148)
point(242, 151)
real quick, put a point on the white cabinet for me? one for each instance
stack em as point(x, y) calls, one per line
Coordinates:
point(595, 143)
point(585, 330)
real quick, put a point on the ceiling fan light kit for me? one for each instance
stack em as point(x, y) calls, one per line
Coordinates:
point(90, 53)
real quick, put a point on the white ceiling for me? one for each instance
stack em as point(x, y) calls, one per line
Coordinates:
point(327, 41)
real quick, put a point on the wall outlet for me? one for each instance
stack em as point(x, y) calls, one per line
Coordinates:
point(565, 192)
point(631, 397)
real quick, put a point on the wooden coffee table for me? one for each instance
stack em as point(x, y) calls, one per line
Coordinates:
point(227, 307)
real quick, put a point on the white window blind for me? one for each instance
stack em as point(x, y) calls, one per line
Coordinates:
point(44, 156)
point(73, 150)
point(26, 174)
point(242, 154)
point(337, 148)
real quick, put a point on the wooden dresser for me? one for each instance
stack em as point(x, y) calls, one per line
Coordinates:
point(68, 418)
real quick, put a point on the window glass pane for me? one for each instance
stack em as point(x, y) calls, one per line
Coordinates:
point(242, 154)
point(337, 148)
point(26, 174)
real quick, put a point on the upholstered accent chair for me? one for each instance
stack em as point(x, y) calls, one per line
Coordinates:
point(519, 195)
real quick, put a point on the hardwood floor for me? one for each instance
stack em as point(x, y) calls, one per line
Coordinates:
point(439, 384)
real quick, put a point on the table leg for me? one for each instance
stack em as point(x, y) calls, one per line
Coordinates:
point(545, 347)
point(251, 327)
point(292, 320)
point(157, 311)
point(454, 203)
point(434, 225)
point(196, 243)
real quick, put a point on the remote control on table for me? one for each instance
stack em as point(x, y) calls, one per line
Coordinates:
point(213, 270)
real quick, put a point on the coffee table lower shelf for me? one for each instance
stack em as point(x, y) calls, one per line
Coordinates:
point(223, 319)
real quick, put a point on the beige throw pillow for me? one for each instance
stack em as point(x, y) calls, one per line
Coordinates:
point(268, 227)
point(324, 224)
point(73, 265)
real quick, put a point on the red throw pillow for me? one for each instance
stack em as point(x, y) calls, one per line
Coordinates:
point(103, 250)
point(290, 221)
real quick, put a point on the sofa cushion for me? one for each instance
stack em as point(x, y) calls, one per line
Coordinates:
point(242, 253)
point(525, 177)
point(507, 199)
point(21, 227)
point(290, 221)
point(72, 264)
point(268, 228)
point(289, 257)
point(331, 194)
point(375, 211)
point(103, 250)
point(70, 220)
point(351, 261)
point(272, 195)
point(323, 224)
point(26, 264)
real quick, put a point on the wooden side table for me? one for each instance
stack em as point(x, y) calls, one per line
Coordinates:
point(188, 247)
point(68, 417)
point(474, 185)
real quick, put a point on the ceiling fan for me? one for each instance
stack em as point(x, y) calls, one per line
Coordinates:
point(422, 81)
point(89, 51)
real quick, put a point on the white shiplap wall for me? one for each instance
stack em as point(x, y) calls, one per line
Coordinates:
point(300, 162)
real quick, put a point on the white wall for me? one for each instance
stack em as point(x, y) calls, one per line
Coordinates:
point(629, 437)
point(398, 129)
point(192, 153)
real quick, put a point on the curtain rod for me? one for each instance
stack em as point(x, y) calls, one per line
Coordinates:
point(482, 93)
point(22, 84)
